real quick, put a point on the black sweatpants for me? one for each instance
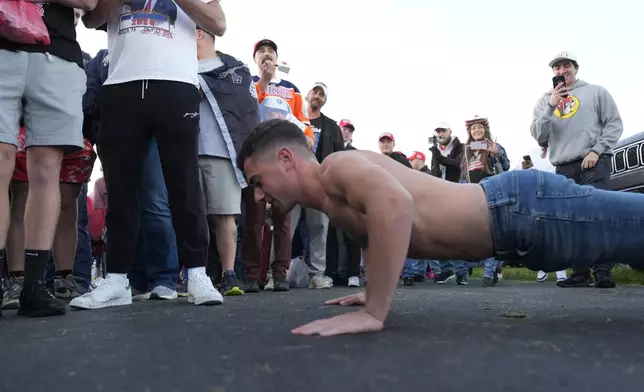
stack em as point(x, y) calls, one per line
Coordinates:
point(132, 113)
point(597, 177)
point(336, 240)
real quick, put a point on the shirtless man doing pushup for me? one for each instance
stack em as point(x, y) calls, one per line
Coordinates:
point(541, 220)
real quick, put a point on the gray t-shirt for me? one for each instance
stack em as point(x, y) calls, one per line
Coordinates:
point(211, 140)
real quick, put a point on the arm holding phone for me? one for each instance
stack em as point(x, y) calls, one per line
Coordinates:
point(544, 111)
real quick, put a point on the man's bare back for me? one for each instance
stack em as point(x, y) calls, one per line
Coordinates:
point(449, 219)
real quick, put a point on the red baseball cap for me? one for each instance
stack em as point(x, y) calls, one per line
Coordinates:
point(386, 135)
point(346, 124)
point(417, 155)
point(264, 42)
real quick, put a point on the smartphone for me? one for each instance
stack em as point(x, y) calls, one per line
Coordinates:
point(527, 158)
point(283, 67)
point(558, 79)
point(478, 146)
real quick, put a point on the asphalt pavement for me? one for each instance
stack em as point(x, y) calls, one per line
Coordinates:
point(519, 336)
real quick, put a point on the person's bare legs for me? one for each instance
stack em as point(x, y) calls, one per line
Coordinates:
point(43, 201)
point(41, 217)
point(7, 164)
point(66, 235)
point(226, 237)
point(65, 239)
point(16, 244)
point(16, 234)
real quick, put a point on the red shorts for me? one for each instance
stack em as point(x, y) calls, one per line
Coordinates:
point(76, 167)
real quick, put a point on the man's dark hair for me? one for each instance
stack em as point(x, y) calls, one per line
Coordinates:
point(270, 134)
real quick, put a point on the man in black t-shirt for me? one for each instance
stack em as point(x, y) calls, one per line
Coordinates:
point(44, 85)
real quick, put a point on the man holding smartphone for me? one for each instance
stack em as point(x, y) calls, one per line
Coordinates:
point(580, 125)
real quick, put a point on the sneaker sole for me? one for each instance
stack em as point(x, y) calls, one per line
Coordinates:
point(281, 289)
point(47, 312)
point(11, 305)
point(157, 297)
point(108, 304)
point(211, 302)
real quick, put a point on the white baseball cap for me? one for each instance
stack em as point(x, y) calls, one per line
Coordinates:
point(442, 125)
point(564, 55)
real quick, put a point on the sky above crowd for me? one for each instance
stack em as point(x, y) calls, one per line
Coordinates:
point(400, 66)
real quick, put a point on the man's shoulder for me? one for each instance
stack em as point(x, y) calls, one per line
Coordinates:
point(286, 84)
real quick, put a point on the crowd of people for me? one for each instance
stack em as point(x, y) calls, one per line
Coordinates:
point(173, 214)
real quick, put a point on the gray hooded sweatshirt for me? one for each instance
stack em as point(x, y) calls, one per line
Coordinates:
point(590, 122)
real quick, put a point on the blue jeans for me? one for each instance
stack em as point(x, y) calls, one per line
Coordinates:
point(547, 222)
point(414, 267)
point(489, 267)
point(83, 260)
point(458, 266)
point(157, 261)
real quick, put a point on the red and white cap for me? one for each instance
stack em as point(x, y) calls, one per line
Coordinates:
point(417, 155)
point(386, 135)
point(476, 119)
point(346, 123)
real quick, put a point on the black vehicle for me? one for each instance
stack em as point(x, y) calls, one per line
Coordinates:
point(627, 174)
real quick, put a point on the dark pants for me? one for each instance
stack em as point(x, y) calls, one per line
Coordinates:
point(251, 246)
point(336, 242)
point(156, 262)
point(133, 113)
point(597, 177)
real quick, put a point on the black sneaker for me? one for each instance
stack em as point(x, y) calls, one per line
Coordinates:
point(419, 278)
point(280, 283)
point(408, 282)
point(37, 301)
point(604, 280)
point(575, 281)
point(230, 285)
point(443, 277)
point(487, 282)
point(461, 279)
point(251, 287)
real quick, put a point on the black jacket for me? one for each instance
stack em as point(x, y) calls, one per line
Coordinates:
point(96, 72)
point(400, 157)
point(452, 162)
point(234, 94)
point(425, 169)
point(330, 138)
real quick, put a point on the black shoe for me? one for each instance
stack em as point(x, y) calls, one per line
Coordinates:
point(443, 277)
point(487, 282)
point(230, 285)
point(575, 281)
point(408, 282)
point(37, 301)
point(280, 283)
point(419, 278)
point(604, 280)
point(251, 287)
point(461, 279)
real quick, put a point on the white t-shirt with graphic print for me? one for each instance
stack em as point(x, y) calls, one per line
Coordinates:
point(152, 40)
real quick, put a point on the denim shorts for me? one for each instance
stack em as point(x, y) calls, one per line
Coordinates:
point(547, 222)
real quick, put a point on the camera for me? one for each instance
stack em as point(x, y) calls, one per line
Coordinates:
point(433, 140)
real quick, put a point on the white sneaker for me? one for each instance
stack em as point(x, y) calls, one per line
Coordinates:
point(200, 288)
point(114, 290)
point(163, 293)
point(542, 276)
point(354, 281)
point(320, 282)
point(561, 275)
point(270, 284)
